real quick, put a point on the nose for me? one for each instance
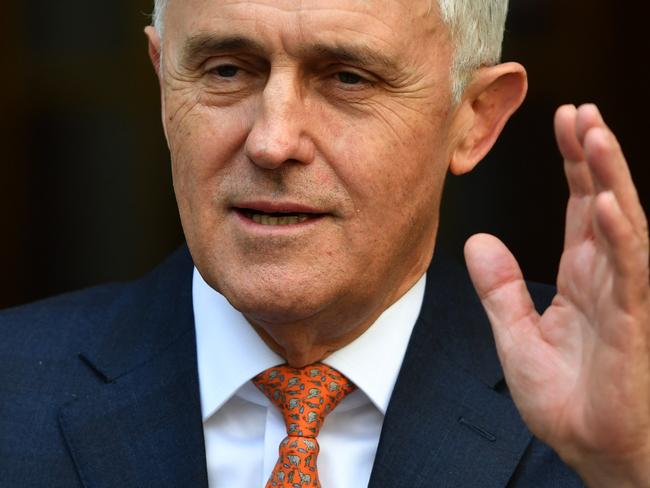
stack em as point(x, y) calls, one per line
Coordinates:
point(279, 134)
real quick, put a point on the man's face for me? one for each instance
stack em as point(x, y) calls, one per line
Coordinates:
point(309, 142)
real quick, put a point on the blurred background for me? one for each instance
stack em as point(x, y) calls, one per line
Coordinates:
point(85, 186)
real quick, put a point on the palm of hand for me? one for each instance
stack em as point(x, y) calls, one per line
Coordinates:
point(580, 373)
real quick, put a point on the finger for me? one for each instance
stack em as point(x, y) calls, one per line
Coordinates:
point(500, 286)
point(610, 172)
point(607, 163)
point(588, 117)
point(626, 251)
point(578, 175)
point(575, 167)
point(590, 127)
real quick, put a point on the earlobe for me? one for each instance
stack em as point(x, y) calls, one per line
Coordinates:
point(154, 48)
point(494, 94)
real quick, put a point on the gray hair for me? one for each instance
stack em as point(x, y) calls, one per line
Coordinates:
point(158, 15)
point(476, 28)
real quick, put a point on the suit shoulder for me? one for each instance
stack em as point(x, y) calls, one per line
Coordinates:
point(62, 324)
point(59, 321)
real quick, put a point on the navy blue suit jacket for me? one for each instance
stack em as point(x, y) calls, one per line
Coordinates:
point(99, 389)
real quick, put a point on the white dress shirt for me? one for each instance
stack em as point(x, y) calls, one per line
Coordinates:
point(243, 429)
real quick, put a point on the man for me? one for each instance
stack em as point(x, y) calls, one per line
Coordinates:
point(309, 143)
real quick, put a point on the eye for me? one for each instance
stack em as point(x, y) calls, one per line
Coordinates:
point(226, 70)
point(349, 78)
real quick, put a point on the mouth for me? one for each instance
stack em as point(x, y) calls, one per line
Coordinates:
point(278, 215)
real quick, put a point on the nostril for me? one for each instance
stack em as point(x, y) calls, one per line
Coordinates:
point(268, 155)
point(269, 145)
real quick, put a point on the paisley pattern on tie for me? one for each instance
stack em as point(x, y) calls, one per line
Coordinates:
point(304, 396)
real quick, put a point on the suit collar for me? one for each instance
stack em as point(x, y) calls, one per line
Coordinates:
point(142, 425)
point(453, 320)
point(146, 318)
point(450, 422)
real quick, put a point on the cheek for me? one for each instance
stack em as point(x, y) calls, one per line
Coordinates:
point(202, 141)
point(388, 148)
point(385, 170)
point(395, 181)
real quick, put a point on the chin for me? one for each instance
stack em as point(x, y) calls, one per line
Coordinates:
point(273, 294)
point(275, 304)
point(290, 286)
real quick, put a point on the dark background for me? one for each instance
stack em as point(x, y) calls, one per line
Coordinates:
point(85, 187)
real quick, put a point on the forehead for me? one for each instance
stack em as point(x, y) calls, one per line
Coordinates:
point(391, 25)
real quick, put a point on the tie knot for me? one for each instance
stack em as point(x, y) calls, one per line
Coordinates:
point(304, 395)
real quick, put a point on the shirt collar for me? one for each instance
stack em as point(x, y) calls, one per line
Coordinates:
point(230, 352)
point(373, 360)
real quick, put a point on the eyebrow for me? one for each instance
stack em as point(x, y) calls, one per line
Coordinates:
point(202, 45)
point(358, 54)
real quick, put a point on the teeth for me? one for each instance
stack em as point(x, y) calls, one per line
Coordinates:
point(264, 219)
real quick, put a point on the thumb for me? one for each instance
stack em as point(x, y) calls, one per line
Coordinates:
point(500, 285)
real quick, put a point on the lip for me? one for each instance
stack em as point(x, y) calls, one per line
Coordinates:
point(240, 210)
point(277, 207)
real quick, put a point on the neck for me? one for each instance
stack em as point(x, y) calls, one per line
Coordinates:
point(300, 346)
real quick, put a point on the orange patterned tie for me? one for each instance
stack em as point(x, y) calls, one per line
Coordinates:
point(305, 396)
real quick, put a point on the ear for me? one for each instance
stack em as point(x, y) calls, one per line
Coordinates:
point(494, 94)
point(155, 54)
point(154, 48)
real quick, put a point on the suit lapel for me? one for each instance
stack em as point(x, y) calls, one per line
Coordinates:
point(450, 421)
point(142, 426)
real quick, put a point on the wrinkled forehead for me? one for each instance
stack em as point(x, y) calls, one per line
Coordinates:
point(386, 24)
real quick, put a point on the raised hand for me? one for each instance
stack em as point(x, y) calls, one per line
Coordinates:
point(580, 372)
